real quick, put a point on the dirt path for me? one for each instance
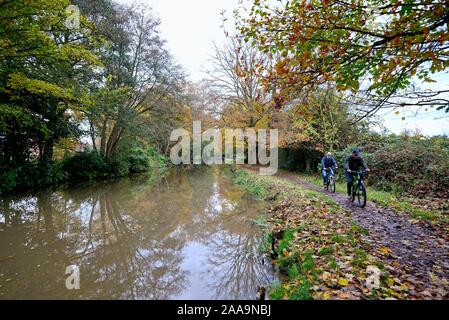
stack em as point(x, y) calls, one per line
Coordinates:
point(414, 252)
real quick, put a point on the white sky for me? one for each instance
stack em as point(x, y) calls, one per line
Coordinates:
point(191, 26)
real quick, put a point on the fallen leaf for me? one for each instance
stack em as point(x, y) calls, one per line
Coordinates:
point(343, 282)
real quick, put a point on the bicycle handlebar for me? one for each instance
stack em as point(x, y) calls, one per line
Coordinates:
point(361, 171)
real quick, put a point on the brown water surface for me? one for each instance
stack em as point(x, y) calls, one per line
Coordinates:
point(188, 236)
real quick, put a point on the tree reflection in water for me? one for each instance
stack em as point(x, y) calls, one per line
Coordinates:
point(129, 239)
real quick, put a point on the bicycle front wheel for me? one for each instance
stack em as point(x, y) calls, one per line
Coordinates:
point(332, 184)
point(361, 195)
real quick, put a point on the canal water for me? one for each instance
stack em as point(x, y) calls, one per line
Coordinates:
point(186, 236)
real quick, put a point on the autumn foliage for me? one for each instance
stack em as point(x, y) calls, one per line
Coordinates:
point(376, 47)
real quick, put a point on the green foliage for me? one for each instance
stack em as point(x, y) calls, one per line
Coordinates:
point(326, 251)
point(56, 174)
point(241, 178)
point(85, 166)
point(292, 159)
point(308, 263)
point(359, 257)
point(285, 242)
point(79, 167)
point(405, 163)
point(157, 161)
point(54, 78)
point(417, 165)
point(139, 160)
point(293, 271)
point(277, 292)
point(118, 166)
point(302, 291)
point(8, 180)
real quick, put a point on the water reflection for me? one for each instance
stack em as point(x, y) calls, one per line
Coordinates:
point(187, 236)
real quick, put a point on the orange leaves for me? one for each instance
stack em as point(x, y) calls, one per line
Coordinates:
point(282, 67)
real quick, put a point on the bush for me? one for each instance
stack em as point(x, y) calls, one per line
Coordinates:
point(413, 164)
point(156, 159)
point(406, 164)
point(8, 180)
point(118, 166)
point(80, 167)
point(139, 160)
point(57, 174)
point(87, 165)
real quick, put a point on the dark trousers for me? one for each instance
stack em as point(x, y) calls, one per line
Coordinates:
point(350, 179)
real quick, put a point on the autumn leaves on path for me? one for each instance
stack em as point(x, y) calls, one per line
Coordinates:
point(414, 249)
point(329, 249)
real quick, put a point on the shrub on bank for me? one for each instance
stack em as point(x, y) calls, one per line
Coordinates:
point(402, 164)
point(8, 180)
point(85, 166)
point(406, 164)
point(157, 160)
point(80, 167)
point(138, 160)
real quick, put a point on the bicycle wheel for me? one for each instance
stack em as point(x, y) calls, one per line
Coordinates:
point(361, 195)
point(353, 192)
point(332, 184)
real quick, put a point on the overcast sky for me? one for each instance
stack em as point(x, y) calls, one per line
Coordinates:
point(191, 26)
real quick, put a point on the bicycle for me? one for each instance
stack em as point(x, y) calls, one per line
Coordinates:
point(330, 180)
point(358, 188)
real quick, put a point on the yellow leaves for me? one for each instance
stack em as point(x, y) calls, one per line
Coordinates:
point(385, 250)
point(18, 81)
point(389, 281)
point(327, 76)
point(263, 123)
point(326, 296)
point(343, 282)
point(340, 87)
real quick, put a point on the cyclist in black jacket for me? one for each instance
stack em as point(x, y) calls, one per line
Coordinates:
point(354, 163)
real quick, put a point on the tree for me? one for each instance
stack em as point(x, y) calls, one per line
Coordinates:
point(139, 74)
point(234, 78)
point(42, 63)
point(315, 124)
point(375, 48)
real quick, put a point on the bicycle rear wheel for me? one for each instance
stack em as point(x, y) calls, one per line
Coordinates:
point(361, 195)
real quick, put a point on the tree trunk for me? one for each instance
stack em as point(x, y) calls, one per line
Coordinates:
point(113, 141)
point(308, 164)
point(103, 139)
point(45, 207)
point(92, 135)
point(46, 158)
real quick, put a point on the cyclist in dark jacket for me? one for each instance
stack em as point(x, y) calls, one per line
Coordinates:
point(354, 163)
point(328, 162)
